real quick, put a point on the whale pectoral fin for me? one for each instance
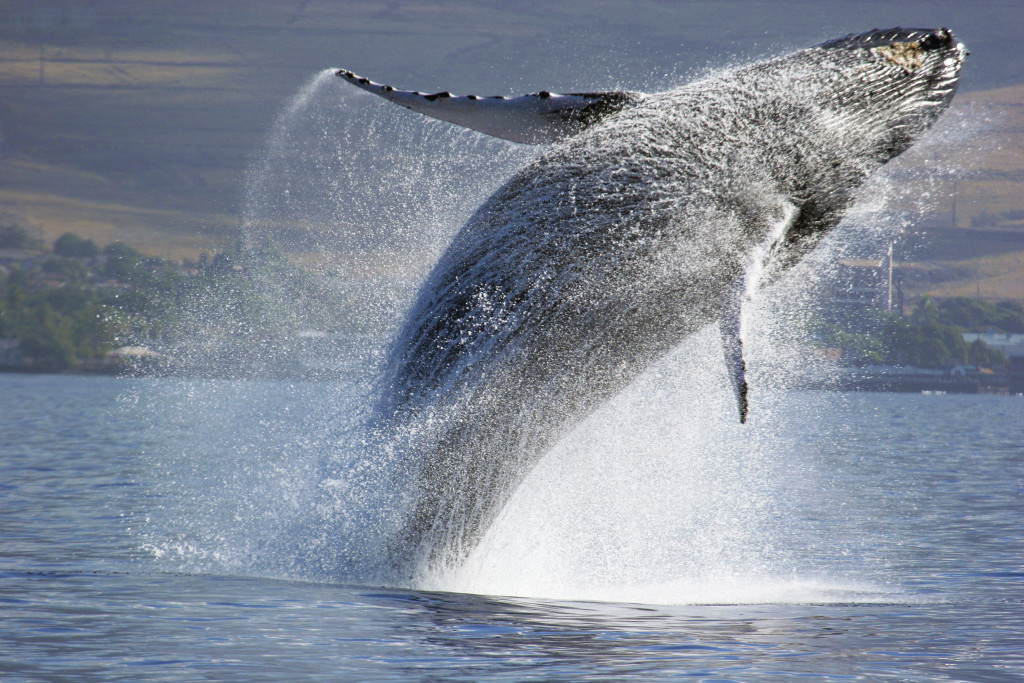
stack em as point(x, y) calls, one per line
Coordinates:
point(732, 346)
point(765, 259)
point(536, 118)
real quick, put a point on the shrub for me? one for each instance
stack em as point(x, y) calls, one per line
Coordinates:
point(71, 245)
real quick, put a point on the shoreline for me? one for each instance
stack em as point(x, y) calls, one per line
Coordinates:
point(912, 380)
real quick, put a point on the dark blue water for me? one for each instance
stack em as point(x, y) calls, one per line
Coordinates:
point(163, 530)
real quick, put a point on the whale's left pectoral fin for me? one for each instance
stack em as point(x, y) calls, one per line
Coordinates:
point(729, 326)
point(536, 118)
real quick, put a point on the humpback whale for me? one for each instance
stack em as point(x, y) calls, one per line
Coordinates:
point(647, 217)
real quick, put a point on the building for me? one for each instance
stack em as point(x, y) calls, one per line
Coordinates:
point(1010, 344)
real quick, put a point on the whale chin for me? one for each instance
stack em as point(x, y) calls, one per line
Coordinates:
point(649, 217)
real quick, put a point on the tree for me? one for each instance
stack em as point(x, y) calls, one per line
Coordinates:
point(45, 337)
point(68, 269)
point(980, 353)
point(1010, 316)
point(926, 311)
point(929, 345)
point(976, 315)
point(50, 350)
point(13, 237)
point(121, 261)
point(71, 245)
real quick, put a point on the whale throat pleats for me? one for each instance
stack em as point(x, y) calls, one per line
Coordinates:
point(537, 118)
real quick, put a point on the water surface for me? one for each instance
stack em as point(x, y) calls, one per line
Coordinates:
point(143, 524)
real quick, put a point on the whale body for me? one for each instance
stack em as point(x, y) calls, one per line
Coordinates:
point(648, 217)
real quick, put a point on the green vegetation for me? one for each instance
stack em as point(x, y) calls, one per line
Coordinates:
point(67, 308)
point(71, 245)
point(57, 326)
point(974, 315)
point(61, 310)
point(931, 337)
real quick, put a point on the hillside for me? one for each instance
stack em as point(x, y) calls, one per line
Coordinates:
point(137, 121)
point(970, 181)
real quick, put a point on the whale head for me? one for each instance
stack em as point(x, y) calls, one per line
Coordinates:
point(889, 86)
point(829, 116)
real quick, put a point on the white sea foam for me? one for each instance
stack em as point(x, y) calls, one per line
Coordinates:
point(658, 497)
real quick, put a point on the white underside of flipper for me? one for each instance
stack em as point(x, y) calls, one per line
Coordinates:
point(731, 325)
point(536, 118)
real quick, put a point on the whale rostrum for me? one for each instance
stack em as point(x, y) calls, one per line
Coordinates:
point(648, 217)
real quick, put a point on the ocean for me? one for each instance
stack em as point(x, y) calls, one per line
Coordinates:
point(168, 529)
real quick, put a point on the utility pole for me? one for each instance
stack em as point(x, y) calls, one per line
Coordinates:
point(888, 307)
point(954, 202)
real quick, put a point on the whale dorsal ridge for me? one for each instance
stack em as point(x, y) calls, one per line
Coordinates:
point(537, 118)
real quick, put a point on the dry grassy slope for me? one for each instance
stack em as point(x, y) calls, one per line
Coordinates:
point(981, 162)
point(136, 120)
point(145, 146)
point(146, 140)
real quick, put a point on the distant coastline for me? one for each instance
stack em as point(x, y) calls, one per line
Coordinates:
point(892, 379)
point(909, 379)
point(75, 308)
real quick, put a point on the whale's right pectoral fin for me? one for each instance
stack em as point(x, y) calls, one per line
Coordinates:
point(729, 326)
point(765, 259)
point(536, 118)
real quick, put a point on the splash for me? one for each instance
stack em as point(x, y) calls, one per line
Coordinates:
point(613, 246)
point(656, 497)
point(344, 210)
